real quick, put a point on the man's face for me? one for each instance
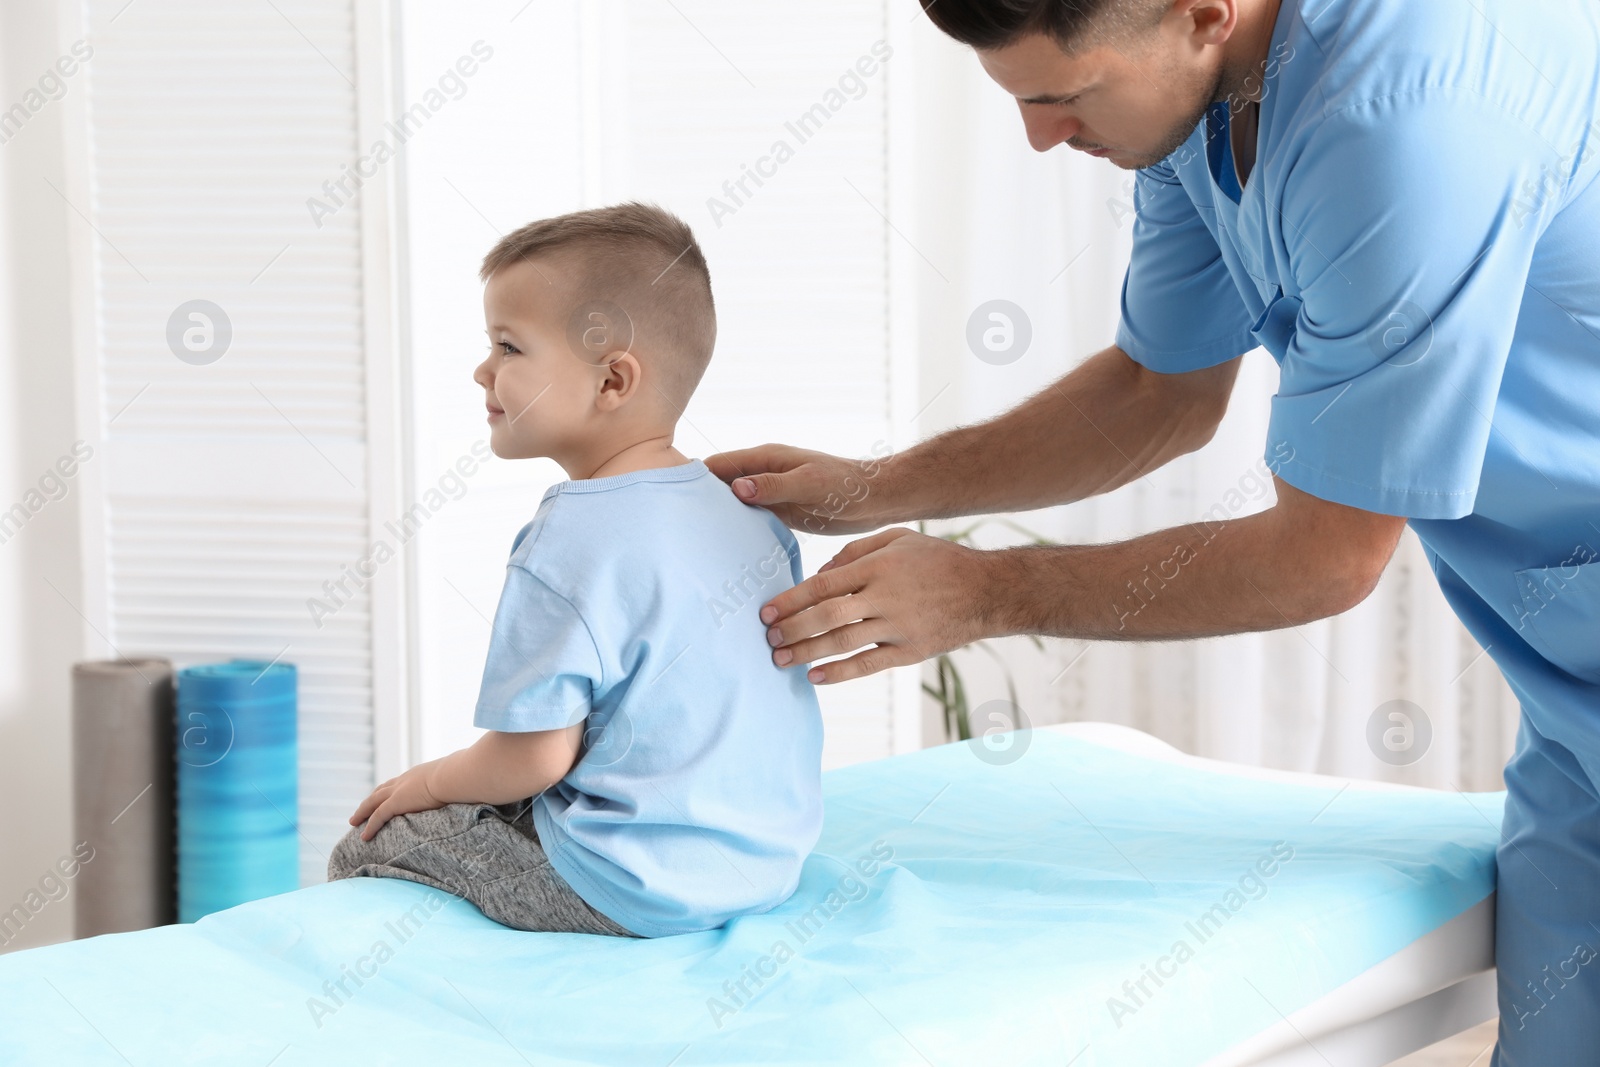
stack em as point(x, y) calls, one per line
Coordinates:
point(1134, 107)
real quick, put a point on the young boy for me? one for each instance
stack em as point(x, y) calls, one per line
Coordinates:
point(647, 769)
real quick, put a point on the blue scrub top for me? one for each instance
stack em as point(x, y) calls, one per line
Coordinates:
point(1418, 247)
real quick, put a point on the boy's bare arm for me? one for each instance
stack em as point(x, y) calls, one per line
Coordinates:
point(498, 769)
point(501, 767)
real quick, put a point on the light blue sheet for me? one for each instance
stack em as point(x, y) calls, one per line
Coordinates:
point(1018, 900)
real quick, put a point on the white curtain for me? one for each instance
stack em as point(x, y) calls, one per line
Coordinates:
point(1051, 233)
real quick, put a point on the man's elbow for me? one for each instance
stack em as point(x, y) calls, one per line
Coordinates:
point(1354, 581)
point(1204, 427)
point(1344, 578)
point(1195, 401)
point(1333, 555)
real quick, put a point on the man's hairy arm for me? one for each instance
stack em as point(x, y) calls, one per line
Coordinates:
point(1103, 424)
point(1303, 559)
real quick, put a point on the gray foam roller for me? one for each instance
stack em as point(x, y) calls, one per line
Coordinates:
point(123, 773)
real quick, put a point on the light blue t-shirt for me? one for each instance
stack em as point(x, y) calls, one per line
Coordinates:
point(631, 602)
point(1418, 247)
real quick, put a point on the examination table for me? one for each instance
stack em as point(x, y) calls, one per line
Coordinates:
point(1080, 895)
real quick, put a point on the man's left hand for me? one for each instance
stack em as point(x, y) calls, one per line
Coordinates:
point(900, 595)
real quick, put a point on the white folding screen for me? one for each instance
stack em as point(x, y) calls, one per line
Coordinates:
point(236, 378)
point(578, 104)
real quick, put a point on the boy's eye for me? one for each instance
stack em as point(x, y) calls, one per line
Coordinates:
point(507, 348)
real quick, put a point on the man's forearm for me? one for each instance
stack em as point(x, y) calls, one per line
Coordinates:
point(898, 597)
point(1201, 580)
point(1104, 424)
point(501, 768)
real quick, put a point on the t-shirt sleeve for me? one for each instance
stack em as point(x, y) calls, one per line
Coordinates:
point(1181, 309)
point(1411, 257)
point(543, 666)
point(797, 570)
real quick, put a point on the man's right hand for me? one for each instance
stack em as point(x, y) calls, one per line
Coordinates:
point(809, 491)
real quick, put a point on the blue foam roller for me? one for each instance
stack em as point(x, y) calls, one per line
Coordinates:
point(238, 785)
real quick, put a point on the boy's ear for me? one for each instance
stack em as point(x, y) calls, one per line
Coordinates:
point(620, 378)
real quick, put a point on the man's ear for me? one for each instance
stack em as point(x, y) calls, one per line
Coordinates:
point(1212, 22)
point(620, 378)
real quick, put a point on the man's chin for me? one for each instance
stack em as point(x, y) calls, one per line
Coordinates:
point(1128, 161)
point(1124, 161)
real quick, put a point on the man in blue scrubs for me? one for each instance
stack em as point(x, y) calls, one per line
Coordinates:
point(1399, 201)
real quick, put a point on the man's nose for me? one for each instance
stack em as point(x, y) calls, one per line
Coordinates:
point(1046, 129)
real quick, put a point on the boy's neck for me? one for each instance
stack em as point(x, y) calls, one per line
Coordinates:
point(647, 454)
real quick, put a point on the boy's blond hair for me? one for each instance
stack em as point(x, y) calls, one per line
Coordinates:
point(638, 258)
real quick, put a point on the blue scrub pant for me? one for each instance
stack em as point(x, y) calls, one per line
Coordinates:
point(1547, 909)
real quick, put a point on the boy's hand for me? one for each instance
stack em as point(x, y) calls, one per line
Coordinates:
point(404, 793)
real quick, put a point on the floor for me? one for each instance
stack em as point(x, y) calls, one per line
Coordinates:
point(1468, 1049)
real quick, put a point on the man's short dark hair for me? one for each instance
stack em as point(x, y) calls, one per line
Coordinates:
point(1074, 25)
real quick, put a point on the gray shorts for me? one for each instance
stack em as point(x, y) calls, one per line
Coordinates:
point(487, 854)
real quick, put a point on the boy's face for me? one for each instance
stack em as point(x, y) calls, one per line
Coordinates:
point(540, 394)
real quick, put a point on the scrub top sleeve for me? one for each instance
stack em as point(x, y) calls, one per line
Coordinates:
point(1411, 258)
point(1181, 310)
point(543, 667)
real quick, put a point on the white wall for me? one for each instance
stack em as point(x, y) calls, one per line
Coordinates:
point(39, 629)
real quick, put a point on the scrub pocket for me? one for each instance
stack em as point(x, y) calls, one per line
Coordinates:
point(1561, 617)
point(1275, 328)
